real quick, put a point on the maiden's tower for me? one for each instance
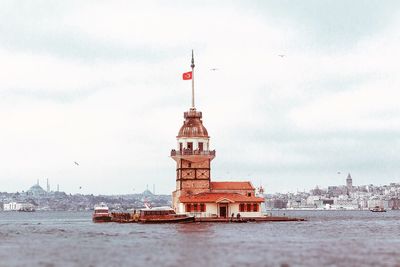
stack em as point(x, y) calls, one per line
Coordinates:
point(195, 192)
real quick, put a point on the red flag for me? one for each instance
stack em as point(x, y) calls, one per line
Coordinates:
point(187, 75)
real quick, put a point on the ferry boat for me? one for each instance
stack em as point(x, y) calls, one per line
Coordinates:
point(163, 215)
point(27, 209)
point(101, 214)
point(378, 209)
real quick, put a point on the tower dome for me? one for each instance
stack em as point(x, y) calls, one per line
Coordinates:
point(193, 125)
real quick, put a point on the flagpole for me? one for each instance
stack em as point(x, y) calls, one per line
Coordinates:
point(192, 79)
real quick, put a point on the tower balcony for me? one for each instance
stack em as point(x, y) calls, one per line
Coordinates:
point(189, 152)
point(192, 155)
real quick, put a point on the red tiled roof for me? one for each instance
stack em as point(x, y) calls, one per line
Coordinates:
point(219, 197)
point(231, 186)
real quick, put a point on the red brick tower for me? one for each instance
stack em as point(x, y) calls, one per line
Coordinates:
point(192, 155)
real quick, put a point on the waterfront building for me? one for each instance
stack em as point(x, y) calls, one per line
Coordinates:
point(195, 193)
point(314, 201)
point(394, 203)
point(274, 203)
point(18, 206)
point(344, 202)
point(378, 201)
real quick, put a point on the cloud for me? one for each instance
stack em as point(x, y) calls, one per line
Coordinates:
point(99, 83)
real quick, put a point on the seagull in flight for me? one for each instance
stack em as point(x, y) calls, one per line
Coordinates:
point(214, 69)
point(281, 56)
point(76, 163)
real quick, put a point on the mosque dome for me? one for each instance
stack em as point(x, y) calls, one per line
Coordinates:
point(193, 125)
point(36, 190)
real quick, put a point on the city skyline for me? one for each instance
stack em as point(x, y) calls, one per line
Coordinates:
point(56, 188)
point(291, 94)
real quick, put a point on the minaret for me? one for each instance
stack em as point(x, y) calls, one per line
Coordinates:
point(48, 186)
point(192, 155)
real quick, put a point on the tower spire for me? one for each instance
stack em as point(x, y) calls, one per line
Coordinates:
point(192, 79)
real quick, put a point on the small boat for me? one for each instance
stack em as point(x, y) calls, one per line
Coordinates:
point(378, 209)
point(101, 214)
point(27, 209)
point(124, 217)
point(163, 215)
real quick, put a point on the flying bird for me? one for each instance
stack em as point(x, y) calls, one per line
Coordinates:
point(281, 55)
point(214, 69)
point(76, 163)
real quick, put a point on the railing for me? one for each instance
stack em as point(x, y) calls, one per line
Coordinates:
point(189, 152)
point(192, 114)
point(201, 214)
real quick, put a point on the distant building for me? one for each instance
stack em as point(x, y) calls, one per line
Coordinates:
point(394, 203)
point(147, 192)
point(316, 191)
point(349, 184)
point(36, 191)
point(377, 201)
point(334, 191)
point(345, 202)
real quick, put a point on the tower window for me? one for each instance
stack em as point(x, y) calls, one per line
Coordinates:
point(189, 165)
point(190, 145)
point(249, 194)
point(180, 146)
point(200, 146)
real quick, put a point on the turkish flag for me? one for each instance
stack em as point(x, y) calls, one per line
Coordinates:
point(187, 75)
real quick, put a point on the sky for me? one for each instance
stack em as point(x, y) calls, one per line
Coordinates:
point(100, 83)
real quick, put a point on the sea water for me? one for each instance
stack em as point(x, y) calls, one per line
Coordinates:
point(328, 238)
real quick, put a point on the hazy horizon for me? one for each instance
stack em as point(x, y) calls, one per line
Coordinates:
point(99, 83)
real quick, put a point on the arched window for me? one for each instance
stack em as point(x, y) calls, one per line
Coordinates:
point(190, 146)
